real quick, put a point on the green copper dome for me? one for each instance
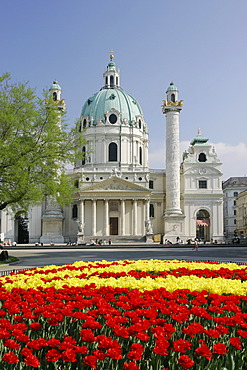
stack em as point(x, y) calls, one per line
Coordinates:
point(99, 104)
point(199, 139)
point(55, 86)
point(112, 101)
point(172, 87)
point(111, 64)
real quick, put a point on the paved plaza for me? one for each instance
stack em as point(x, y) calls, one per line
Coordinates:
point(38, 257)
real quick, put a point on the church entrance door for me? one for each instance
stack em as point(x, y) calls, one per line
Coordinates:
point(203, 225)
point(113, 225)
point(22, 233)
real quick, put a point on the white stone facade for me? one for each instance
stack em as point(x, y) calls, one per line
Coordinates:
point(232, 187)
point(119, 197)
point(201, 191)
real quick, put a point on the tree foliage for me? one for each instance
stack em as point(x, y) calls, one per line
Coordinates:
point(35, 145)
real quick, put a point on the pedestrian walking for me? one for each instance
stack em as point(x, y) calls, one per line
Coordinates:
point(196, 246)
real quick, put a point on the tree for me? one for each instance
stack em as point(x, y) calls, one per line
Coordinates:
point(35, 144)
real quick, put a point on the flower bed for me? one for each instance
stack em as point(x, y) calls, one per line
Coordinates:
point(131, 315)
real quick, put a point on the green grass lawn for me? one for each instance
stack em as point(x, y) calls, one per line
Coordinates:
point(9, 260)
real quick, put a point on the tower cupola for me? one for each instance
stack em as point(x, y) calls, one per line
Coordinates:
point(172, 93)
point(55, 91)
point(111, 75)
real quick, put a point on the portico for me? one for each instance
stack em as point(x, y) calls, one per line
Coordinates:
point(113, 207)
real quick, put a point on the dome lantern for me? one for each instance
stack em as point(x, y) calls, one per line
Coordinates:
point(111, 75)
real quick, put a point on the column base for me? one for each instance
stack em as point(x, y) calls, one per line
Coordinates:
point(52, 239)
point(80, 238)
point(149, 238)
point(52, 230)
point(173, 227)
point(173, 212)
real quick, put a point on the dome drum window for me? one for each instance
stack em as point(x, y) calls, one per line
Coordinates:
point(113, 117)
point(140, 155)
point(112, 152)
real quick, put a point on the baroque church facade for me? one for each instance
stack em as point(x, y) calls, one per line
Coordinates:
point(118, 196)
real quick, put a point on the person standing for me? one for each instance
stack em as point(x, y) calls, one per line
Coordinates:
point(196, 246)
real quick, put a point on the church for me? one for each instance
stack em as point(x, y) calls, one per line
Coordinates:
point(118, 196)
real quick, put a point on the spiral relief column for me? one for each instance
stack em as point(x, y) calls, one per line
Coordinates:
point(173, 213)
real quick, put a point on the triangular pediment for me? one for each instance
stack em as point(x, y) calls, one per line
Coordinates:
point(115, 184)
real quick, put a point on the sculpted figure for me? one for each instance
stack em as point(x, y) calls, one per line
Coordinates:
point(149, 227)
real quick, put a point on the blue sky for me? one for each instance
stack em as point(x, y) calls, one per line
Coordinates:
point(200, 45)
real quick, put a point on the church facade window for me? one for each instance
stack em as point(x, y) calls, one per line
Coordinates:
point(235, 194)
point(203, 184)
point(74, 211)
point(151, 211)
point(151, 184)
point(113, 152)
point(202, 157)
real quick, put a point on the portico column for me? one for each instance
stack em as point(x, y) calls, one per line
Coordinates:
point(106, 216)
point(134, 217)
point(122, 217)
point(155, 209)
point(146, 213)
point(81, 212)
point(81, 224)
point(147, 202)
point(94, 217)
